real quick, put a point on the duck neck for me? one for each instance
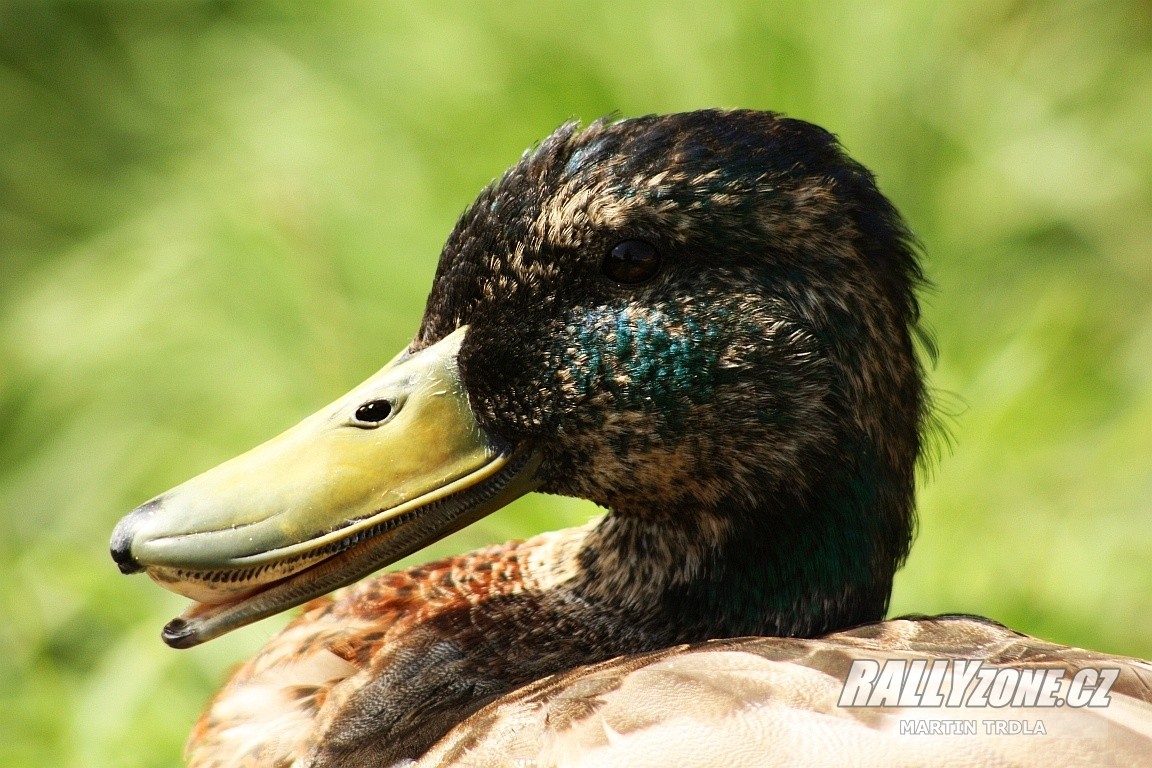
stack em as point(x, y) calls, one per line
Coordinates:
point(791, 567)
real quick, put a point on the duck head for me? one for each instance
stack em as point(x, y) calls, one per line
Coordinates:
point(702, 322)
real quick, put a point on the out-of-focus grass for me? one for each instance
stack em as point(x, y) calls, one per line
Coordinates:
point(214, 217)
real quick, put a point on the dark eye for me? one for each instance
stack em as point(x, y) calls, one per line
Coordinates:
point(631, 262)
point(374, 412)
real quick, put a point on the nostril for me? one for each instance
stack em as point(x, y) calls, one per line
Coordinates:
point(373, 413)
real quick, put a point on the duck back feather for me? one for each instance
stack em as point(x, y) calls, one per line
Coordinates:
point(766, 702)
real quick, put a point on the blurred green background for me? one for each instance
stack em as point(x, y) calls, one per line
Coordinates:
point(217, 216)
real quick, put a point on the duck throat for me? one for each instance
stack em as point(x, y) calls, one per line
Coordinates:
point(790, 569)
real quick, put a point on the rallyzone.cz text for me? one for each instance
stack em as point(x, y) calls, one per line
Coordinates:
point(969, 683)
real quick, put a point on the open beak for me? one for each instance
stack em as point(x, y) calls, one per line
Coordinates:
point(392, 466)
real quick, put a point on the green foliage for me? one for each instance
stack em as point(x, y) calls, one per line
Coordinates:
point(216, 216)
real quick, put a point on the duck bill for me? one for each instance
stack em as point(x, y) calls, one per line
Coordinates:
point(392, 466)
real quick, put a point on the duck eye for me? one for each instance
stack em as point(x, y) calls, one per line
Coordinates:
point(373, 413)
point(631, 262)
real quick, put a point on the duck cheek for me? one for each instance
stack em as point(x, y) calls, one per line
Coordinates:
point(508, 374)
point(626, 461)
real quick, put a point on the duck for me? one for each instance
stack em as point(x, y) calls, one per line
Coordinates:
point(708, 324)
